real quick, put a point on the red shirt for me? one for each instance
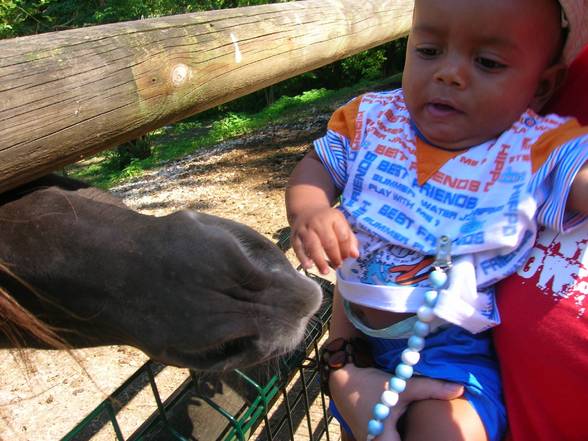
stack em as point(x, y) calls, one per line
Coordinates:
point(542, 343)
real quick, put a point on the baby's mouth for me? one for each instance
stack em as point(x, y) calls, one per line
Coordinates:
point(442, 109)
point(442, 106)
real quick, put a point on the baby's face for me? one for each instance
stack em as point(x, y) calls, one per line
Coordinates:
point(473, 66)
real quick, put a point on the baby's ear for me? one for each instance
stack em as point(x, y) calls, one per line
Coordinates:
point(551, 79)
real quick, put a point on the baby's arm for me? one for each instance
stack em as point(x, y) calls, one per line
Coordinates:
point(578, 197)
point(319, 232)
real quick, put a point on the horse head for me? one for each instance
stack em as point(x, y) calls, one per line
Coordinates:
point(188, 289)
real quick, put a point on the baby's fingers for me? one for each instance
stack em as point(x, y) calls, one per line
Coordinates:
point(330, 243)
point(300, 251)
point(317, 253)
point(309, 249)
point(346, 239)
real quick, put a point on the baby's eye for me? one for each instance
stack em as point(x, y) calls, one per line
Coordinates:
point(427, 52)
point(489, 64)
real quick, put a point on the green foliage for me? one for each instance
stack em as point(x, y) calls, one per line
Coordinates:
point(26, 17)
point(129, 151)
point(181, 127)
point(288, 103)
point(366, 65)
point(233, 124)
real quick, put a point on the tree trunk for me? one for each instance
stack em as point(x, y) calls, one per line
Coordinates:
point(65, 95)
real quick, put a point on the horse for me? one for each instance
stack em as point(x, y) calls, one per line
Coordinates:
point(78, 268)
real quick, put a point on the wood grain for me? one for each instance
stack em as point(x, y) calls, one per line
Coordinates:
point(66, 95)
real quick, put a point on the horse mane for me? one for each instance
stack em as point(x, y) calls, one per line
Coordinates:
point(15, 320)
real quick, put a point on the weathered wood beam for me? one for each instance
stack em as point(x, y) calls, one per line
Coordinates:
point(66, 95)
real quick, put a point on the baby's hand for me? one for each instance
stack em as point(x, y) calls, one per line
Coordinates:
point(321, 236)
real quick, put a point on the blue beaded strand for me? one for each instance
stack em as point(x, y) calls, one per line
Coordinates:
point(409, 357)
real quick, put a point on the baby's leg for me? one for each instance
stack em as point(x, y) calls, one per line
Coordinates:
point(436, 420)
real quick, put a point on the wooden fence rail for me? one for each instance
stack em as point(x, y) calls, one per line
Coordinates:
point(66, 95)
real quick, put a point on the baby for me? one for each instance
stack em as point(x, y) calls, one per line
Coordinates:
point(460, 154)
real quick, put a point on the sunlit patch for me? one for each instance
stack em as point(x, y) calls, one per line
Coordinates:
point(238, 56)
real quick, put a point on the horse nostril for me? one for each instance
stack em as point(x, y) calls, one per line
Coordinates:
point(255, 282)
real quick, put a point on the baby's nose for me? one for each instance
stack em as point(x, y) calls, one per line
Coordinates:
point(452, 72)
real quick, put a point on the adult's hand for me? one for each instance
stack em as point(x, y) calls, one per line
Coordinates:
point(355, 391)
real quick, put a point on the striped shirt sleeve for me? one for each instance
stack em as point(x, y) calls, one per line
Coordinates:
point(559, 171)
point(333, 148)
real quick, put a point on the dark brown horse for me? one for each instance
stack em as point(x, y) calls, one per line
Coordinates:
point(188, 289)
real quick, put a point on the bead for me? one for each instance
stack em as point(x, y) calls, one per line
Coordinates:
point(421, 328)
point(389, 398)
point(410, 357)
point(438, 277)
point(336, 360)
point(335, 345)
point(431, 298)
point(404, 371)
point(397, 384)
point(416, 343)
point(425, 314)
point(380, 411)
point(375, 427)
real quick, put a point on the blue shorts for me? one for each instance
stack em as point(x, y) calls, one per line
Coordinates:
point(452, 354)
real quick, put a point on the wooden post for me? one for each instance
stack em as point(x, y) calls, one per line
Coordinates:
point(66, 95)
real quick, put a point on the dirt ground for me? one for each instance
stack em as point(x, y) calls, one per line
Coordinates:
point(244, 180)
